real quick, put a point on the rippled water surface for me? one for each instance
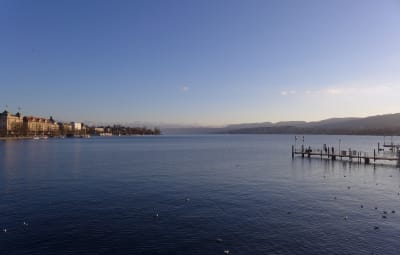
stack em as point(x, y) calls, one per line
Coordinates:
point(194, 195)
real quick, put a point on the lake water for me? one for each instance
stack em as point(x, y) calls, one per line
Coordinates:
point(194, 195)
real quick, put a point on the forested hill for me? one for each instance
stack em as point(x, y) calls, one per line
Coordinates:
point(388, 124)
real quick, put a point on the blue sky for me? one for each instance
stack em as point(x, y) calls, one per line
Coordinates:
point(200, 62)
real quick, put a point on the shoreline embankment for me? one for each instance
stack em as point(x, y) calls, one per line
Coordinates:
point(15, 138)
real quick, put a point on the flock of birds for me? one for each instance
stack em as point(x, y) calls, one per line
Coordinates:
point(384, 212)
point(227, 251)
point(25, 224)
point(156, 215)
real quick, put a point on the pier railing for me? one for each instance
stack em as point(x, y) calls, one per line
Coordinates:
point(350, 155)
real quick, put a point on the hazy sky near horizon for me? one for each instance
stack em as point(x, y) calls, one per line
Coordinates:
point(208, 62)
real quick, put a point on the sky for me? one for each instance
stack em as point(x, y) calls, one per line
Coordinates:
point(204, 62)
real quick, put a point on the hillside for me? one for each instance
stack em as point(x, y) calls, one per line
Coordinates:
point(374, 125)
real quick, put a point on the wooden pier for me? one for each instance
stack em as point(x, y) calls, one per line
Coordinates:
point(350, 155)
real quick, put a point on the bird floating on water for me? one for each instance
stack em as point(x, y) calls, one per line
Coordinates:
point(226, 251)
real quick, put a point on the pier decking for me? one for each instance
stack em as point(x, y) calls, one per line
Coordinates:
point(350, 155)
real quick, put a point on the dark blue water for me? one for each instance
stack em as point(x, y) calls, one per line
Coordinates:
point(193, 195)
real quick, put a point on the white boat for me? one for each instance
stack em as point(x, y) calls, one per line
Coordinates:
point(44, 137)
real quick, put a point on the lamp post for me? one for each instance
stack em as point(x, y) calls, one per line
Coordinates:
point(339, 148)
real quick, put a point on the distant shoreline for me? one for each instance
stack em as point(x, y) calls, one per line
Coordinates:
point(15, 138)
point(12, 138)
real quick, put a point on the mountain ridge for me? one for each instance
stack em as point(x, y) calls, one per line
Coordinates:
point(384, 124)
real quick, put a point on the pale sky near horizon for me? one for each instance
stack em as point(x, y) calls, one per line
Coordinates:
point(208, 62)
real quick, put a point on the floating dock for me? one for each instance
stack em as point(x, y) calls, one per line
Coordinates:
point(350, 155)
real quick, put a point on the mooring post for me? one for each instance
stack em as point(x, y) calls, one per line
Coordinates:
point(374, 156)
point(398, 158)
point(292, 151)
point(302, 150)
point(350, 156)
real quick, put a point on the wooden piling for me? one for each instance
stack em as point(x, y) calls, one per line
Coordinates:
point(374, 156)
point(357, 155)
point(398, 158)
point(350, 156)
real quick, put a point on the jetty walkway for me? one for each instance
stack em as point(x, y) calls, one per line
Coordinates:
point(350, 155)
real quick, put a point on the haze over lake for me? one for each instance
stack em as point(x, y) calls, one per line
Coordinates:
point(202, 194)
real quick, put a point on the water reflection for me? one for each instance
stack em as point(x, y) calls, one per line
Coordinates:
point(9, 156)
point(245, 190)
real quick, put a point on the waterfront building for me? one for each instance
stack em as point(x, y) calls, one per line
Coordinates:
point(65, 128)
point(76, 127)
point(11, 125)
point(98, 130)
point(40, 126)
